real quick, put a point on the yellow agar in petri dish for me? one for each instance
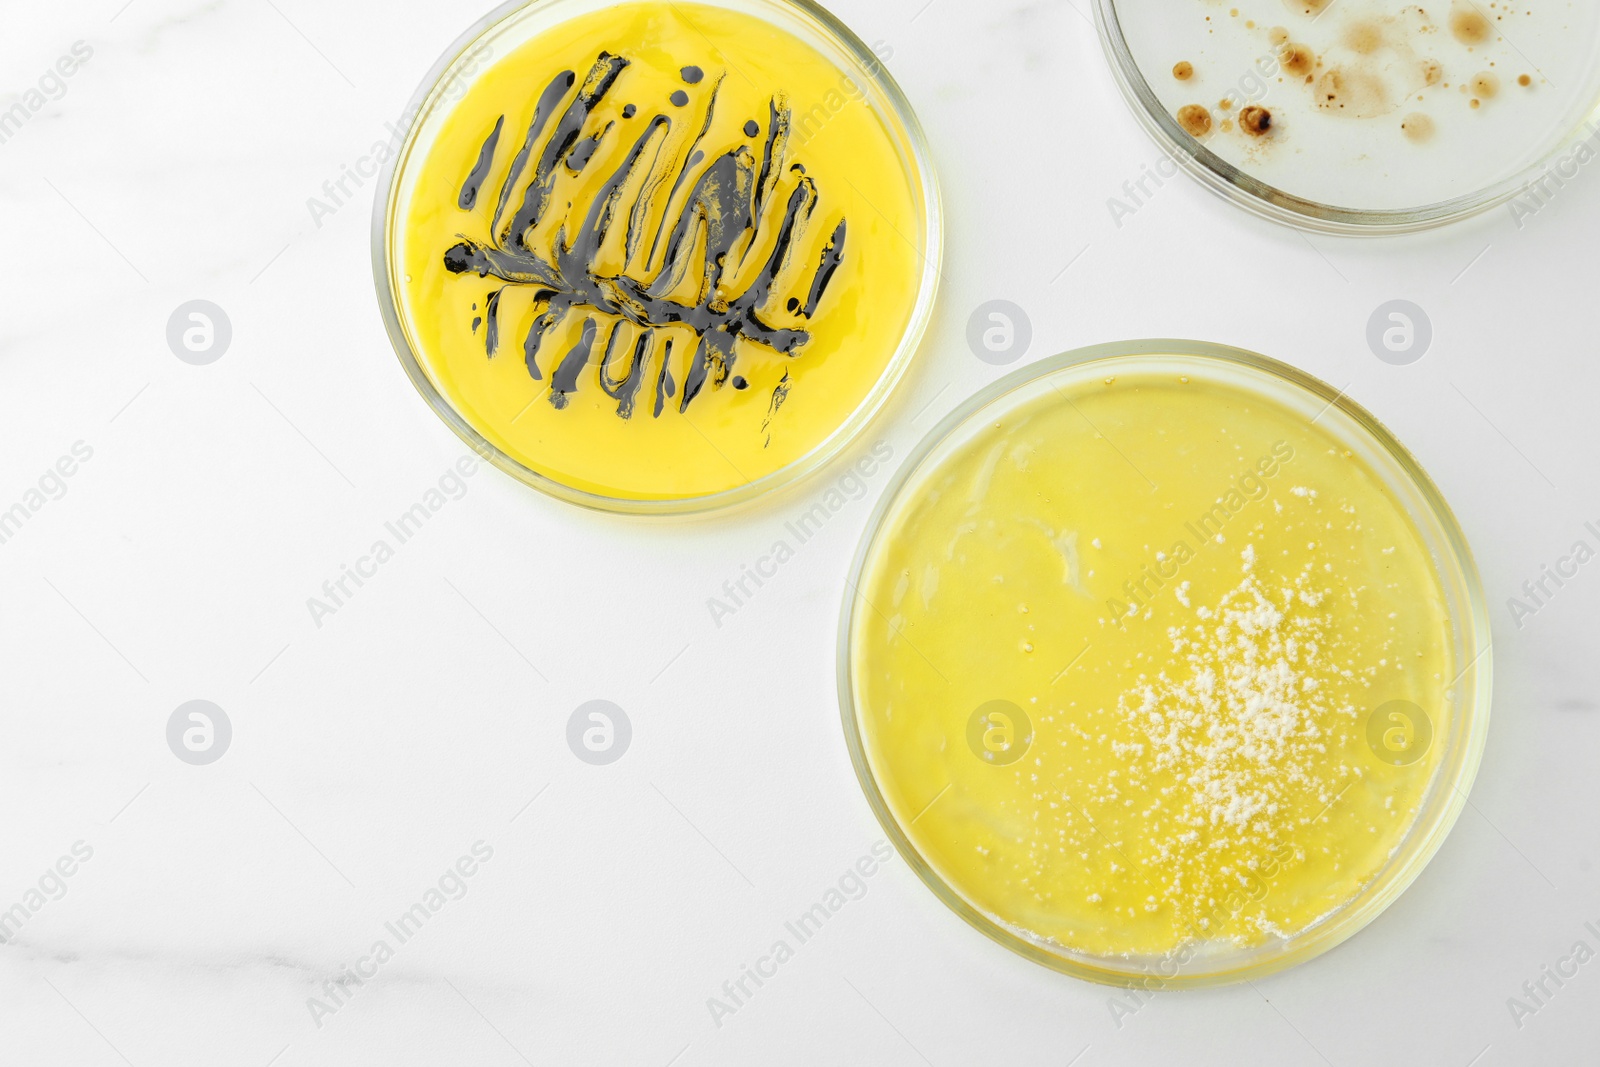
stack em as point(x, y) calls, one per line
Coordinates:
point(1147, 665)
point(661, 251)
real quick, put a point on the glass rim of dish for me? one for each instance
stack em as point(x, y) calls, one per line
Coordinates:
point(924, 183)
point(1446, 795)
point(1268, 201)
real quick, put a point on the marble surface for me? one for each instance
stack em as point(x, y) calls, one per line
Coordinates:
point(427, 717)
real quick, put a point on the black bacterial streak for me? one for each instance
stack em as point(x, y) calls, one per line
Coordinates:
point(722, 214)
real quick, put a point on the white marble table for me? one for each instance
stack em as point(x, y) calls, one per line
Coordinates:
point(428, 714)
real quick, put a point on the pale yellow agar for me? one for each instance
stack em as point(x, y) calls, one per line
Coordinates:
point(1192, 603)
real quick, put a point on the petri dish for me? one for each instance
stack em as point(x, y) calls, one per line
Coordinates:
point(1164, 664)
point(1364, 116)
point(658, 256)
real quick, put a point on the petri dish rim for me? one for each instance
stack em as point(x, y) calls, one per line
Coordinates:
point(1446, 796)
point(1268, 201)
point(385, 218)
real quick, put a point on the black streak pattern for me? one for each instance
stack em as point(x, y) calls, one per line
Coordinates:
point(491, 339)
point(702, 242)
point(564, 382)
point(832, 256)
point(469, 191)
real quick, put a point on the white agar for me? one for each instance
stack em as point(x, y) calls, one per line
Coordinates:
point(1376, 105)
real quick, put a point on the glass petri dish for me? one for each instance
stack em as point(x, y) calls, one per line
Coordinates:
point(1164, 664)
point(1363, 116)
point(658, 257)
